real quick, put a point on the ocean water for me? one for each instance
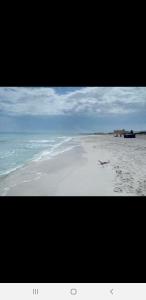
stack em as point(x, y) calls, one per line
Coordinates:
point(18, 149)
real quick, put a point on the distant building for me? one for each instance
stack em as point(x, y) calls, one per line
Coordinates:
point(119, 132)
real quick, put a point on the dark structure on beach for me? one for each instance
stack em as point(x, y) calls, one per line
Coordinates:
point(131, 134)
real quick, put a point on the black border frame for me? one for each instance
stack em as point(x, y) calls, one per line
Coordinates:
point(72, 239)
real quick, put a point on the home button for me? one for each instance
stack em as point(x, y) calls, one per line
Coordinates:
point(73, 292)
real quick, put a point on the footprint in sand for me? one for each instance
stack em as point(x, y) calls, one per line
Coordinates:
point(118, 189)
point(116, 167)
point(138, 191)
point(144, 184)
point(118, 172)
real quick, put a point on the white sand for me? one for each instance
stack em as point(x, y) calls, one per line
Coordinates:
point(78, 173)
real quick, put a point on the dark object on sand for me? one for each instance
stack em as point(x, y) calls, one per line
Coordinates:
point(103, 162)
point(129, 135)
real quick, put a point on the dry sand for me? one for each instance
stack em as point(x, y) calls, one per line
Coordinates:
point(78, 173)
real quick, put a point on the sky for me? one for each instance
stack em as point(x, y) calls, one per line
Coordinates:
point(72, 109)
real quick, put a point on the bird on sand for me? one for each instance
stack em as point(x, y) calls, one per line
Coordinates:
point(103, 162)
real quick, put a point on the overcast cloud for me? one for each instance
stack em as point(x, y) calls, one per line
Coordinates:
point(42, 101)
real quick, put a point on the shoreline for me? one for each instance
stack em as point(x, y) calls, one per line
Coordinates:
point(77, 172)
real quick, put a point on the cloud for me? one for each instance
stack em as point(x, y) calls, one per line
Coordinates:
point(87, 100)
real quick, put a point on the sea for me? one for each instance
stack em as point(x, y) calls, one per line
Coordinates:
point(17, 149)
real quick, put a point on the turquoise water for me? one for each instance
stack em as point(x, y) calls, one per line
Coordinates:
point(17, 149)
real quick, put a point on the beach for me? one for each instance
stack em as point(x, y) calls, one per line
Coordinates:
point(78, 172)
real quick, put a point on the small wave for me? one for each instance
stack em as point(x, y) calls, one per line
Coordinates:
point(41, 141)
point(42, 155)
point(49, 153)
point(10, 170)
point(7, 154)
point(62, 151)
point(37, 146)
